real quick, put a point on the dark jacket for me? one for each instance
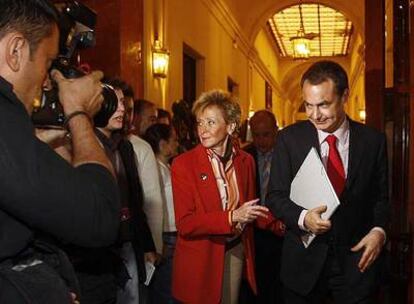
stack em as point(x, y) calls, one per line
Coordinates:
point(364, 205)
point(39, 191)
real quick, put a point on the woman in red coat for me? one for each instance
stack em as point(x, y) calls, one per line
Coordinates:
point(214, 201)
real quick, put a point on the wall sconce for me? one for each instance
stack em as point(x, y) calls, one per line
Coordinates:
point(160, 59)
point(362, 115)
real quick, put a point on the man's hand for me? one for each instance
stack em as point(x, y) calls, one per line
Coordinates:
point(80, 94)
point(51, 137)
point(57, 140)
point(248, 212)
point(74, 298)
point(314, 222)
point(372, 244)
point(280, 228)
point(152, 257)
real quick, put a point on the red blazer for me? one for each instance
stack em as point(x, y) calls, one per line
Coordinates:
point(203, 226)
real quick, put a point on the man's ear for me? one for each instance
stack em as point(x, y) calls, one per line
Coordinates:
point(345, 96)
point(16, 50)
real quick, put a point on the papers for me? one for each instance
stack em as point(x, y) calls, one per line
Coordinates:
point(149, 268)
point(311, 188)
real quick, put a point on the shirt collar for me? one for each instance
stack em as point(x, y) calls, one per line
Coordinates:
point(341, 133)
point(212, 154)
point(6, 89)
point(265, 154)
point(234, 151)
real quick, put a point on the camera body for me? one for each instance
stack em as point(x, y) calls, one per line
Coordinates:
point(76, 25)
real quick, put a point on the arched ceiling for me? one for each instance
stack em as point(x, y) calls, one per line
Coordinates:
point(252, 15)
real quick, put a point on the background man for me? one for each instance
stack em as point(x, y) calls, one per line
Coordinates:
point(144, 115)
point(268, 245)
point(39, 191)
point(344, 259)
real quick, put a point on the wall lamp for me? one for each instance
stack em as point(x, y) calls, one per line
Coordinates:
point(160, 59)
point(362, 115)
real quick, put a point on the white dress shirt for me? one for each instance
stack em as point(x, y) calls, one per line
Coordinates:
point(342, 144)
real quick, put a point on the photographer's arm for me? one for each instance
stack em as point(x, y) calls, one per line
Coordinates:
point(84, 95)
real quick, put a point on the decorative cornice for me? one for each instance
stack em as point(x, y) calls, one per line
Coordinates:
point(225, 18)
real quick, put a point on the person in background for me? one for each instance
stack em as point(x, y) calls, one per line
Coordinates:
point(145, 115)
point(344, 260)
point(112, 274)
point(163, 116)
point(268, 246)
point(215, 204)
point(163, 141)
point(140, 115)
point(128, 93)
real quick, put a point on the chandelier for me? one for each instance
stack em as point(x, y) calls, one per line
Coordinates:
point(300, 42)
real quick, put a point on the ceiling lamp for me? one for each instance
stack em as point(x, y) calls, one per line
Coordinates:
point(301, 43)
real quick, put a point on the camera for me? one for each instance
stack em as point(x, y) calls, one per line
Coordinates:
point(76, 26)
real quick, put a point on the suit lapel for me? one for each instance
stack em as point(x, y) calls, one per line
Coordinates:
point(356, 148)
point(206, 181)
point(311, 139)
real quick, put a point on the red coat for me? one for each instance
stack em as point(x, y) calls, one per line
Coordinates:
point(203, 226)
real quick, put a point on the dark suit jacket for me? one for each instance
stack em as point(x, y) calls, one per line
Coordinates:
point(251, 149)
point(364, 205)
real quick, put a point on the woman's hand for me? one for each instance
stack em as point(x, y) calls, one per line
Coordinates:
point(248, 212)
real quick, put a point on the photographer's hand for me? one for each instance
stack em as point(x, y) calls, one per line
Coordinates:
point(82, 95)
point(52, 137)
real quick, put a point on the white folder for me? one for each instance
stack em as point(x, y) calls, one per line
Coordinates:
point(311, 188)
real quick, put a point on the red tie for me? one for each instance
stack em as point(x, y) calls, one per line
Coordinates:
point(335, 168)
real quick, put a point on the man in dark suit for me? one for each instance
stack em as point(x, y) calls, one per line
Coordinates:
point(268, 246)
point(344, 260)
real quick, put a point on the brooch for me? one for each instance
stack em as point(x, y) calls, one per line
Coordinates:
point(203, 176)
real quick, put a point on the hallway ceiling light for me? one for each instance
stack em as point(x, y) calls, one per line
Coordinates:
point(301, 43)
point(326, 31)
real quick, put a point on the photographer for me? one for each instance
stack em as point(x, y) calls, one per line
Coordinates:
point(40, 193)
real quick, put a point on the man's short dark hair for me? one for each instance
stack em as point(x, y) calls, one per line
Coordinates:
point(118, 83)
point(266, 113)
point(323, 71)
point(141, 104)
point(156, 133)
point(161, 113)
point(34, 19)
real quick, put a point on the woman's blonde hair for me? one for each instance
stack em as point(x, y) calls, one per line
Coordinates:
point(224, 101)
